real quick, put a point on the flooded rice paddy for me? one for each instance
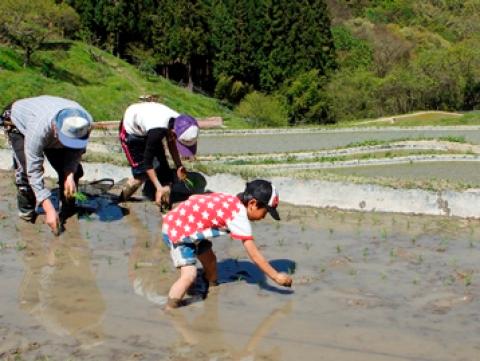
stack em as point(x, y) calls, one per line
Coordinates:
point(295, 142)
point(458, 171)
point(367, 286)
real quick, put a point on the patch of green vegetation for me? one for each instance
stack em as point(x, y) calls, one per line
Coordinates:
point(80, 197)
point(380, 154)
point(420, 120)
point(367, 143)
point(110, 158)
point(454, 139)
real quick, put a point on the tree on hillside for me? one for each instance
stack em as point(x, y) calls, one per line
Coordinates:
point(29, 23)
point(180, 34)
point(266, 42)
point(237, 30)
point(117, 25)
point(297, 39)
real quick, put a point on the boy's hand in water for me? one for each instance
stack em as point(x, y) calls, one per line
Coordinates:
point(283, 279)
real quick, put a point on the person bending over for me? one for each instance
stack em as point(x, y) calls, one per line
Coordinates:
point(48, 126)
point(142, 131)
point(187, 229)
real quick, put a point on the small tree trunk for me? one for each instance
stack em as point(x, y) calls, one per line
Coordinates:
point(27, 56)
point(190, 79)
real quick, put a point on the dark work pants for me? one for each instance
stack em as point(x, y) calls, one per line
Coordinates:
point(57, 158)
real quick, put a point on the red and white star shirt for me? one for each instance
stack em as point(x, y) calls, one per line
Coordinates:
point(204, 216)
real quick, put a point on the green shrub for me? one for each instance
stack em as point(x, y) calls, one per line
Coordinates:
point(353, 95)
point(351, 52)
point(263, 110)
point(306, 99)
point(387, 11)
point(10, 60)
point(231, 90)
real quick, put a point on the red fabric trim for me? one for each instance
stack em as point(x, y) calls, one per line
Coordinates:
point(123, 140)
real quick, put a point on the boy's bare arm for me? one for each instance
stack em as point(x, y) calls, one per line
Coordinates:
point(262, 263)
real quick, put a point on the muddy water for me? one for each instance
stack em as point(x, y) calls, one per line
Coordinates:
point(367, 287)
point(465, 172)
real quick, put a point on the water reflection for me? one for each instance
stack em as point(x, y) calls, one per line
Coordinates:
point(149, 265)
point(59, 288)
point(204, 336)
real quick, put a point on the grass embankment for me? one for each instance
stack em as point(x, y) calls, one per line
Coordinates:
point(428, 118)
point(103, 84)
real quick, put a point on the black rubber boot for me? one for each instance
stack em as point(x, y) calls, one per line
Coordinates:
point(26, 204)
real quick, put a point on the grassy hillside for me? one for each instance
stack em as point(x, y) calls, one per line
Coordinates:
point(102, 83)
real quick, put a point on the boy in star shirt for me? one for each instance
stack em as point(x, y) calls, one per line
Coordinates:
point(187, 229)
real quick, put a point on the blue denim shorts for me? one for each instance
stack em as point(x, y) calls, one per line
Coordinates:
point(185, 254)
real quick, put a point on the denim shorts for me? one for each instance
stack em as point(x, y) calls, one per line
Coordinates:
point(185, 254)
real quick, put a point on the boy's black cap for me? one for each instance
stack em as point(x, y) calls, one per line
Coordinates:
point(264, 192)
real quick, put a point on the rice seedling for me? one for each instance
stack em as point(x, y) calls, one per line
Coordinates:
point(80, 197)
point(384, 234)
point(442, 247)
point(453, 262)
point(450, 280)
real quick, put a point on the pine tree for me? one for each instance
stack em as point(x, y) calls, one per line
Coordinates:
point(180, 34)
point(298, 39)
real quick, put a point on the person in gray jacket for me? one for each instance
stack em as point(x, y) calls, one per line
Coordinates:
point(48, 126)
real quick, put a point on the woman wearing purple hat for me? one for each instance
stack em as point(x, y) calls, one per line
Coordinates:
point(142, 130)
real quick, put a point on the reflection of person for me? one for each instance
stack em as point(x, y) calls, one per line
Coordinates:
point(59, 288)
point(48, 126)
point(146, 263)
point(186, 230)
point(142, 130)
point(212, 342)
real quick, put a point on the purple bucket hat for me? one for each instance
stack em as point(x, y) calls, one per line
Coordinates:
point(186, 129)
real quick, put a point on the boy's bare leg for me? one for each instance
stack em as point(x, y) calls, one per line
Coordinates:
point(208, 259)
point(188, 274)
